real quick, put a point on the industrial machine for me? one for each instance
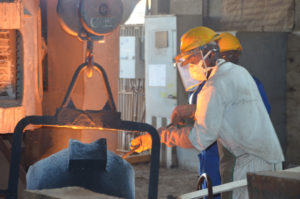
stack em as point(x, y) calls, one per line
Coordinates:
point(88, 21)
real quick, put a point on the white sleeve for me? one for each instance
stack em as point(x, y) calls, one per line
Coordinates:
point(209, 117)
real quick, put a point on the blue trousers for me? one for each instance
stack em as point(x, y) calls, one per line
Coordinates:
point(209, 164)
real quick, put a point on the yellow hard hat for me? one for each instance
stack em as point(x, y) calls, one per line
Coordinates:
point(194, 38)
point(229, 42)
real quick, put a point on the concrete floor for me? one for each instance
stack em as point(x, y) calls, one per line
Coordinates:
point(173, 181)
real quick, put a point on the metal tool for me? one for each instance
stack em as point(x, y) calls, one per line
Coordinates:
point(134, 148)
point(130, 152)
point(169, 125)
point(207, 179)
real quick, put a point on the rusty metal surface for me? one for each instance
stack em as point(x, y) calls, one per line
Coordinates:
point(274, 185)
point(11, 14)
point(75, 117)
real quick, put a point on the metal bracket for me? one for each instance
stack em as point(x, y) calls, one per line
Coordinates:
point(201, 179)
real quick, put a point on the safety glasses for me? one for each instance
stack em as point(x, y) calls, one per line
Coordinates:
point(193, 57)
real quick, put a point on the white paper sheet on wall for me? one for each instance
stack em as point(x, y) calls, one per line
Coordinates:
point(157, 75)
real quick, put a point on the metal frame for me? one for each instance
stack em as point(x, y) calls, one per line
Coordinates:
point(101, 71)
point(12, 191)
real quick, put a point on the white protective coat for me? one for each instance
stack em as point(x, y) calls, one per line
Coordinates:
point(230, 109)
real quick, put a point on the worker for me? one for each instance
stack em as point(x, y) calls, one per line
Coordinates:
point(230, 50)
point(229, 110)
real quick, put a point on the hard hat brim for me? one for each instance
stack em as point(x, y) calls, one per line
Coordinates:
point(184, 55)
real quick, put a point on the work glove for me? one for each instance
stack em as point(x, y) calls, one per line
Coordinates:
point(175, 136)
point(141, 143)
point(183, 111)
point(172, 136)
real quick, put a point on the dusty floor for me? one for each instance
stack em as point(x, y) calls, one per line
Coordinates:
point(173, 181)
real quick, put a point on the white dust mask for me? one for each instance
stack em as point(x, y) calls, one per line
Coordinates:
point(199, 71)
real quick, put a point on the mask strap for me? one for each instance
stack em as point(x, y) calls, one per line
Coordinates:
point(207, 54)
point(203, 59)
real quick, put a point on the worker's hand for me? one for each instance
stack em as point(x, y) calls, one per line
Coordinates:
point(141, 143)
point(174, 136)
point(182, 111)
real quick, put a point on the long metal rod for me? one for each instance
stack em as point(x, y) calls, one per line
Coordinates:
point(106, 83)
point(12, 191)
point(130, 152)
point(216, 189)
